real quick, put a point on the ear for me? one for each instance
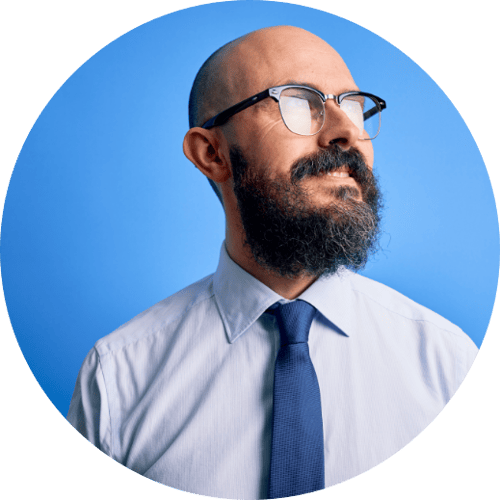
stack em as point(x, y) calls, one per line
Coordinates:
point(202, 148)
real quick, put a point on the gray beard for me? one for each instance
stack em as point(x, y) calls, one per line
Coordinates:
point(289, 236)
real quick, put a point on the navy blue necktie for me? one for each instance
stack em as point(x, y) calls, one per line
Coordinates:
point(297, 449)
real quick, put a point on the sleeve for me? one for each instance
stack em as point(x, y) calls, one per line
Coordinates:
point(89, 410)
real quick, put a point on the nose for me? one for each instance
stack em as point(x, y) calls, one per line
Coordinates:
point(338, 128)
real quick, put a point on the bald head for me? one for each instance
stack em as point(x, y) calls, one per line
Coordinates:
point(252, 63)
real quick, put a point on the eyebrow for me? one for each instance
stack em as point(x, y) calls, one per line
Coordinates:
point(308, 84)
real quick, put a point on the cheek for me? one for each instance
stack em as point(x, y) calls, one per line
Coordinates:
point(274, 149)
point(366, 148)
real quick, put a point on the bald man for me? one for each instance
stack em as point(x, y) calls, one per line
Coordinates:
point(187, 393)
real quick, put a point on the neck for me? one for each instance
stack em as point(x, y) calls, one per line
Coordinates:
point(288, 288)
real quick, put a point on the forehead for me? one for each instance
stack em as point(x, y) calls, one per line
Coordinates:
point(276, 57)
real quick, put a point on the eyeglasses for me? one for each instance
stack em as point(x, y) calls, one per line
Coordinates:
point(303, 109)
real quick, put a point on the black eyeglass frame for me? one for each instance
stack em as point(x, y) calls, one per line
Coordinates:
point(275, 92)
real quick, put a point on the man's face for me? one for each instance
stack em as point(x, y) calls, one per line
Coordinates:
point(278, 57)
point(307, 204)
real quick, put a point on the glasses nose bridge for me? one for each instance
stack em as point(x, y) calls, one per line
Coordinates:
point(335, 99)
point(332, 97)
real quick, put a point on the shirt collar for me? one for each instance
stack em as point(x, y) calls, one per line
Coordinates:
point(332, 296)
point(242, 299)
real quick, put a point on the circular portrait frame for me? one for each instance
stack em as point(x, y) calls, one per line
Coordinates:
point(457, 438)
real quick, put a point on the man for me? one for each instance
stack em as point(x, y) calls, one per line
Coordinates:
point(203, 391)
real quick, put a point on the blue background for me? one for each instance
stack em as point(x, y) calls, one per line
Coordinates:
point(104, 215)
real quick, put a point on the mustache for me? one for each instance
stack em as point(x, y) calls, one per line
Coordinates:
point(331, 160)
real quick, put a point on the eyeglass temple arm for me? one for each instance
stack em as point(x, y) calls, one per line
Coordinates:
point(224, 116)
point(375, 110)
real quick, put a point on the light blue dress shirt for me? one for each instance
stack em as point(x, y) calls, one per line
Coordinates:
point(183, 393)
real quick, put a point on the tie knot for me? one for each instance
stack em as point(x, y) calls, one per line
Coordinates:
point(294, 321)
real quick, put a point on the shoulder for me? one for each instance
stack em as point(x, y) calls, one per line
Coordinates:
point(421, 320)
point(162, 317)
point(439, 343)
point(382, 296)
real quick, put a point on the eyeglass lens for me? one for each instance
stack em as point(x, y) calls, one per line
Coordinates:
point(303, 112)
